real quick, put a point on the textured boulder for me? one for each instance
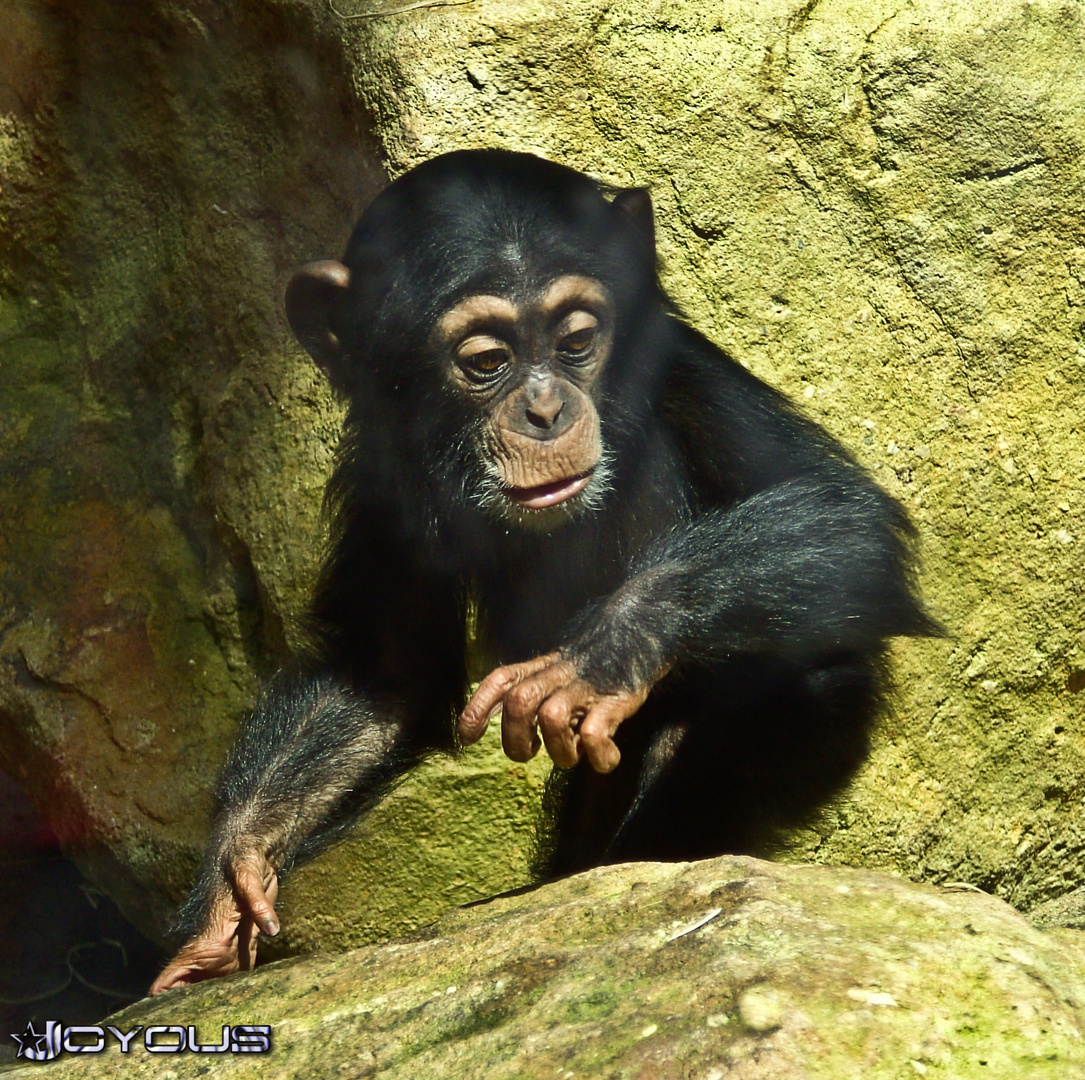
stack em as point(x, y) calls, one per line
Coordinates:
point(880, 208)
point(730, 967)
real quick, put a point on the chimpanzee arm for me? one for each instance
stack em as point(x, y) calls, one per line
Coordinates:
point(374, 691)
point(312, 756)
point(795, 550)
point(813, 565)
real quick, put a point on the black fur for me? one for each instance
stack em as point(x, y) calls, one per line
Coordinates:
point(737, 541)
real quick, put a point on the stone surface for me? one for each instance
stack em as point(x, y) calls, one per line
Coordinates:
point(453, 832)
point(877, 207)
point(730, 967)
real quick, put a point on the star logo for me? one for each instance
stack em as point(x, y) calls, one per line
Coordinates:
point(35, 1047)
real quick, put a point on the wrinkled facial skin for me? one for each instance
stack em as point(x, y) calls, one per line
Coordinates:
point(529, 368)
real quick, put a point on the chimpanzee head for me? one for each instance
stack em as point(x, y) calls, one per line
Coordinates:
point(496, 307)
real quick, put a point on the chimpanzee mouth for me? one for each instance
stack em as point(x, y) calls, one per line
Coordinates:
point(545, 495)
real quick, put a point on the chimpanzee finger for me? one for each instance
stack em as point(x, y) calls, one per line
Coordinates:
point(253, 889)
point(557, 722)
point(489, 696)
point(215, 952)
point(597, 733)
point(519, 716)
point(248, 934)
point(201, 959)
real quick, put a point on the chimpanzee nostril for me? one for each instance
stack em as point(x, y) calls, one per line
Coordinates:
point(544, 414)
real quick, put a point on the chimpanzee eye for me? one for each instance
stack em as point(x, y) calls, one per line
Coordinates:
point(578, 342)
point(487, 361)
point(577, 334)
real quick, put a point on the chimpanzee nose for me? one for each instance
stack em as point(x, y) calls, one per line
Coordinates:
point(544, 407)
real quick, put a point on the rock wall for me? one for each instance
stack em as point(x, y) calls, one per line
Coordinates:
point(878, 208)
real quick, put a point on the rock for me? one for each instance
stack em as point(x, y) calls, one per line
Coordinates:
point(726, 968)
point(878, 208)
point(1067, 911)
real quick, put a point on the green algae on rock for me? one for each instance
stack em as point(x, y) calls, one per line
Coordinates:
point(724, 968)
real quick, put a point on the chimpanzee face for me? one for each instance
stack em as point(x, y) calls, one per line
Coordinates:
point(529, 368)
point(488, 316)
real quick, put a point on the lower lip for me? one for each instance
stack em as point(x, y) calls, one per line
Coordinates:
point(538, 498)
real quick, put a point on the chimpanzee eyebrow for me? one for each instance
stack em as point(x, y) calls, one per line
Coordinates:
point(475, 309)
point(570, 289)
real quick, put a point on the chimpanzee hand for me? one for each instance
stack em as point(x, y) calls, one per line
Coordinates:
point(547, 694)
point(227, 941)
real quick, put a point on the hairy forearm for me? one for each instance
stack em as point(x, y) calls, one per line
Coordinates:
point(311, 746)
point(310, 758)
point(805, 568)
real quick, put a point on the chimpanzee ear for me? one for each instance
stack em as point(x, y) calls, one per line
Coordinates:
point(637, 203)
point(310, 296)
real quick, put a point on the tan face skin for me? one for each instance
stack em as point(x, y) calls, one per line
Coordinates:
point(532, 367)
